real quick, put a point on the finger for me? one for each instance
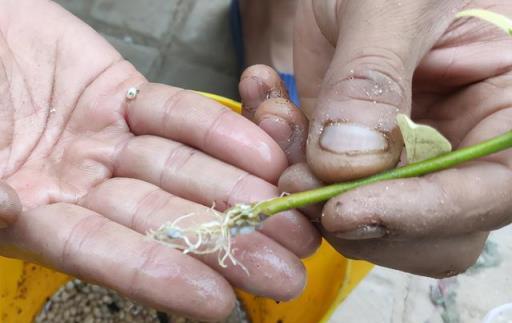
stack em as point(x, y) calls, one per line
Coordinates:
point(286, 124)
point(438, 69)
point(352, 131)
point(259, 83)
point(457, 201)
point(10, 205)
point(299, 178)
point(433, 257)
point(192, 175)
point(273, 271)
point(473, 197)
point(273, 111)
point(194, 120)
point(86, 245)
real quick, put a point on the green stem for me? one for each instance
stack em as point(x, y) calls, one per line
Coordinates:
point(297, 200)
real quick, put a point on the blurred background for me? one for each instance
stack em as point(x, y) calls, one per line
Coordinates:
point(185, 43)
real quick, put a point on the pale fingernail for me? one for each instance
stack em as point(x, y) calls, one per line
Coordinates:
point(352, 138)
point(278, 128)
point(363, 232)
point(3, 224)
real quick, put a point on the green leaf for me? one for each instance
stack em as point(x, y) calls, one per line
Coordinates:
point(421, 142)
point(499, 20)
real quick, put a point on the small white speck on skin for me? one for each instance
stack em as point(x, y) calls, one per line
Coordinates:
point(132, 93)
point(53, 110)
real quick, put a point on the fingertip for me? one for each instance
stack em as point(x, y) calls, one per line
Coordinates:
point(10, 205)
point(278, 128)
point(265, 101)
point(293, 231)
point(343, 151)
point(257, 84)
point(353, 130)
point(294, 282)
point(272, 164)
point(272, 270)
point(296, 287)
point(219, 304)
point(344, 216)
point(265, 74)
point(252, 149)
point(286, 124)
point(298, 178)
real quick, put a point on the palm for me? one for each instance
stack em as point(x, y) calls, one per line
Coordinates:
point(64, 107)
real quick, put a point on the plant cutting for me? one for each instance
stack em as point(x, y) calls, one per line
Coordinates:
point(427, 152)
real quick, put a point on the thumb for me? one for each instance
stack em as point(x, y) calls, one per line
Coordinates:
point(379, 43)
point(10, 205)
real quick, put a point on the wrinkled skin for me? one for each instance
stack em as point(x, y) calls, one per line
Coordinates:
point(93, 171)
point(357, 64)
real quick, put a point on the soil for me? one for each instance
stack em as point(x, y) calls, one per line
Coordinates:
point(80, 302)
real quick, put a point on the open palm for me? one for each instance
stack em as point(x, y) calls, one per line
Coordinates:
point(95, 171)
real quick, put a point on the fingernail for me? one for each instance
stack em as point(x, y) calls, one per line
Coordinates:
point(352, 138)
point(278, 128)
point(363, 232)
point(3, 224)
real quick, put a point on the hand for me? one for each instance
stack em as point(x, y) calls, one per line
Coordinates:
point(95, 171)
point(359, 63)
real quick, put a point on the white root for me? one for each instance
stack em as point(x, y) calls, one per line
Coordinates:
point(210, 237)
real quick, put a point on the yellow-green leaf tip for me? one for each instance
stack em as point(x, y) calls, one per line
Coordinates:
point(496, 19)
point(421, 142)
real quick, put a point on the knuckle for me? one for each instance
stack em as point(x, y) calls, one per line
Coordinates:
point(149, 255)
point(375, 75)
point(111, 186)
point(173, 101)
point(177, 159)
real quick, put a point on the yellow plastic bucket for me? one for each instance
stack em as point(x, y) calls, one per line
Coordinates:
point(24, 287)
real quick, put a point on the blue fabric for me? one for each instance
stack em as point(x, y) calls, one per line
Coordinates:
point(291, 86)
point(238, 42)
point(235, 21)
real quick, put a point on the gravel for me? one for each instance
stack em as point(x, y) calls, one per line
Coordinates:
point(80, 302)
